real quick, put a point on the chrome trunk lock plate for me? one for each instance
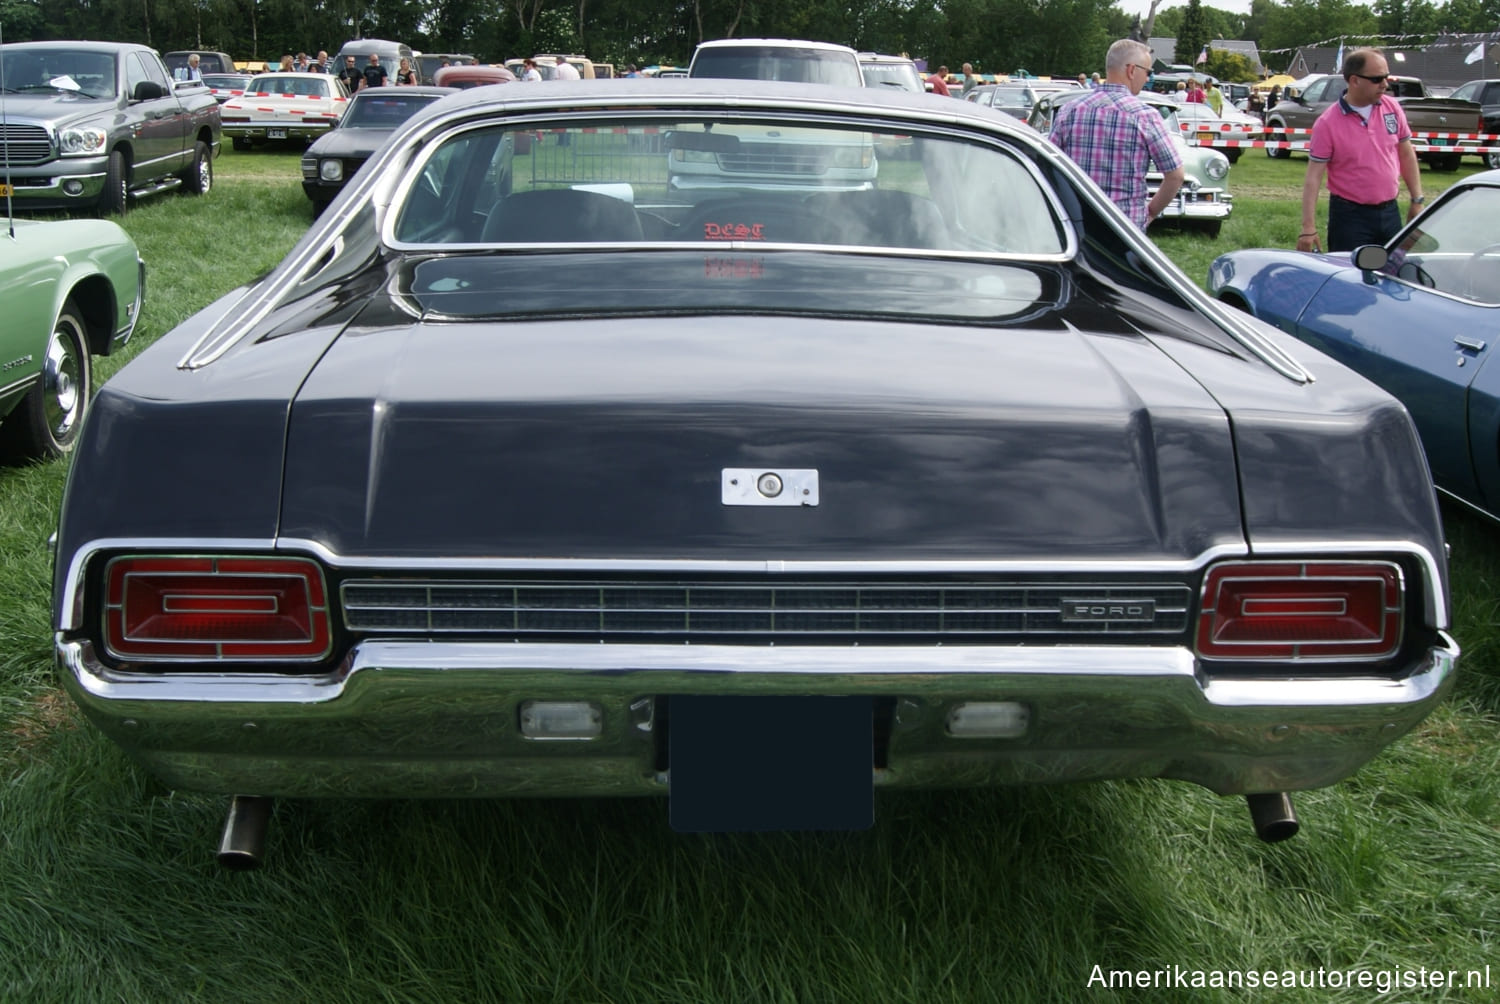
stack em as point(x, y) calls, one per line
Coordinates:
point(787, 486)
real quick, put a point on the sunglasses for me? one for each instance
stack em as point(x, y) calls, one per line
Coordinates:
point(1374, 80)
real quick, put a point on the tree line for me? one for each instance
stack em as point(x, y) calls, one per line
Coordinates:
point(997, 36)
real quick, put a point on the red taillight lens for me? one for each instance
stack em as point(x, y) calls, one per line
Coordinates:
point(1301, 611)
point(216, 608)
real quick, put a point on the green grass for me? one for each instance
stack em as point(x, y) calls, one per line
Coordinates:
point(108, 890)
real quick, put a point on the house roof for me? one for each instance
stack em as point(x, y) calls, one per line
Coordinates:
point(1440, 62)
point(1164, 50)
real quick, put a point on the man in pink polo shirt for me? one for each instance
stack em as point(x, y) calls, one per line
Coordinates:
point(1362, 142)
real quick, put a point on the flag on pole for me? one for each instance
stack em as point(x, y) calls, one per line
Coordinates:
point(1202, 56)
point(1476, 55)
point(1338, 61)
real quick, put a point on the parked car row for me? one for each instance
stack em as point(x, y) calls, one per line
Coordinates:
point(277, 106)
point(93, 125)
point(1204, 202)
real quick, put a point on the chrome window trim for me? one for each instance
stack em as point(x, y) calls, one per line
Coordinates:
point(414, 168)
point(376, 188)
point(1231, 322)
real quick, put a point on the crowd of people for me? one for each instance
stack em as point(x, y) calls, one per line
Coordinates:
point(1361, 147)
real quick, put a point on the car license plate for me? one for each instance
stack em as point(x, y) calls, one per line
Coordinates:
point(5, 190)
point(275, 134)
point(771, 763)
point(1205, 138)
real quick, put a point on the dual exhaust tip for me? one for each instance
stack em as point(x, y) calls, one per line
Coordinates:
point(1273, 816)
point(243, 844)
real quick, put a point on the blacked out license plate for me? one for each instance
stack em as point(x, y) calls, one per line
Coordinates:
point(771, 763)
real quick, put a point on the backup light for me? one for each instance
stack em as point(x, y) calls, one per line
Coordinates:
point(1266, 611)
point(989, 720)
point(216, 608)
point(561, 720)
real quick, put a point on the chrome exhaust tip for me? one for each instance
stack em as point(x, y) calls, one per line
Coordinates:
point(1274, 818)
point(243, 844)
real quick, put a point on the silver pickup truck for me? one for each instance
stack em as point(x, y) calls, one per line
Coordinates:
point(91, 125)
point(1305, 102)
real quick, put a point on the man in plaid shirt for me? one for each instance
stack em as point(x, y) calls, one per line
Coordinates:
point(1114, 136)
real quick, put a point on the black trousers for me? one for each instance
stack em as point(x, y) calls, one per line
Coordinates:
point(1352, 224)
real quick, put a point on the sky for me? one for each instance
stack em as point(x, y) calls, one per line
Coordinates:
point(1140, 7)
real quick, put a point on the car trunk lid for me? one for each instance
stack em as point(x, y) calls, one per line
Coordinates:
point(610, 438)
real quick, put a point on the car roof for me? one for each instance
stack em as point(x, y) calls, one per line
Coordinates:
point(1149, 97)
point(714, 94)
point(73, 46)
point(720, 43)
point(421, 90)
point(473, 71)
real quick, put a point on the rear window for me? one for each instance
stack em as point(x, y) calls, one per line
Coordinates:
point(720, 181)
point(778, 62)
point(302, 86)
point(384, 109)
point(903, 76)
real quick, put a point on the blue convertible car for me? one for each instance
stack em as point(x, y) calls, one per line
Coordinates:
point(1419, 319)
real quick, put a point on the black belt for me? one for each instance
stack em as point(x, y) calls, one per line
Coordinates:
point(1387, 204)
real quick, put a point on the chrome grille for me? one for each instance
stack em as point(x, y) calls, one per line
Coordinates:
point(775, 158)
point(24, 145)
point(769, 610)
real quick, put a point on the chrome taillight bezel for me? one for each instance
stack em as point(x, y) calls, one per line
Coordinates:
point(273, 609)
point(1315, 592)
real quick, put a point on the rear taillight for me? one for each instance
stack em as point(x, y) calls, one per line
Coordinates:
point(224, 608)
point(1350, 610)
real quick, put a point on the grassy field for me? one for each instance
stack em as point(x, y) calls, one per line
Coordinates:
point(109, 890)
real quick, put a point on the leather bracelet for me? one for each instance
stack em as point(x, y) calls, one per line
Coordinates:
point(1313, 234)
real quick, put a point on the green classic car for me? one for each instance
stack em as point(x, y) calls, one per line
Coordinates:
point(69, 289)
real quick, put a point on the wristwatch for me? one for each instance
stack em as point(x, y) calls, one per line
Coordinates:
point(1418, 200)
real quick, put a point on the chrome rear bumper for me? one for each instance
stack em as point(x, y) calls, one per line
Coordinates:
point(413, 719)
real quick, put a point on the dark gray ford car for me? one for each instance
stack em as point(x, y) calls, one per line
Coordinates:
point(527, 473)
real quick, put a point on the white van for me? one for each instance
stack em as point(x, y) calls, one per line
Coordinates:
point(777, 59)
point(735, 156)
point(390, 53)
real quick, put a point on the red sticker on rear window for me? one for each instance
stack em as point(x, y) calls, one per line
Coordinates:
point(734, 231)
